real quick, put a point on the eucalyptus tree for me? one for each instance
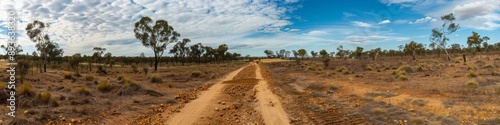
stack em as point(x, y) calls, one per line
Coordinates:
point(269, 53)
point(181, 49)
point(155, 35)
point(37, 31)
point(412, 47)
point(302, 53)
point(221, 51)
point(438, 36)
point(323, 53)
point(197, 51)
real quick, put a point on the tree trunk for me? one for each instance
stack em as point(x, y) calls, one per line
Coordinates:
point(156, 62)
point(45, 64)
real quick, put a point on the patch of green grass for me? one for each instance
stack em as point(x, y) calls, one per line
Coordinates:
point(104, 86)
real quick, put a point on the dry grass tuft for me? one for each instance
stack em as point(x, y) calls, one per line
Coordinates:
point(26, 90)
point(472, 74)
point(128, 88)
point(197, 74)
point(472, 84)
point(90, 78)
point(406, 68)
point(155, 79)
point(68, 75)
point(82, 91)
point(104, 86)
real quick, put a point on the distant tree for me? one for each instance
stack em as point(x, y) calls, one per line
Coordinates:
point(209, 53)
point(221, 50)
point(155, 35)
point(314, 54)
point(75, 60)
point(358, 52)
point(412, 47)
point(323, 53)
point(455, 48)
point(181, 49)
point(108, 56)
point(281, 53)
point(332, 54)
point(98, 52)
point(302, 53)
point(37, 32)
point(485, 43)
point(439, 35)
point(269, 53)
point(341, 53)
point(196, 51)
point(375, 52)
point(8, 48)
point(474, 42)
point(23, 68)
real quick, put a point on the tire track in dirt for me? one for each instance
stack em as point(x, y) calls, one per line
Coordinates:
point(192, 111)
point(269, 104)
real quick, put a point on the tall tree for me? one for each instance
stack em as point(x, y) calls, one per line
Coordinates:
point(485, 43)
point(155, 35)
point(439, 35)
point(37, 31)
point(180, 49)
point(10, 48)
point(108, 56)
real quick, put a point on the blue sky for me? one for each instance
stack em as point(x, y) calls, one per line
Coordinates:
point(252, 26)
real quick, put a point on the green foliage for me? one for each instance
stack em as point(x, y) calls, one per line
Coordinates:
point(104, 86)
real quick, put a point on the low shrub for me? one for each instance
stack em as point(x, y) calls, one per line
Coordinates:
point(68, 75)
point(472, 74)
point(26, 90)
point(104, 86)
point(128, 88)
point(90, 78)
point(406, 68)
point(197, 74)
point(418, 102)
point(403, 77)
point(155, 79)
point(44, 97)
point(82, 91)
point(472, 84)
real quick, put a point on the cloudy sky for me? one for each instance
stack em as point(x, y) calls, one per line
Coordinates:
point(251, 26)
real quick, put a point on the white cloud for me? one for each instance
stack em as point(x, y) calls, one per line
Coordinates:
point(401, 21)
point(347, 14)
point(424, 20)
point(294, 30)
point(475, 9)
point(385, 22)
point(316, 33)
point(397, 1)
point(361, 24)
point(79, 25)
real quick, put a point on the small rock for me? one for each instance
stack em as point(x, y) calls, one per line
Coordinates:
point(73, 120)
point(1, 121)
point(216, 109)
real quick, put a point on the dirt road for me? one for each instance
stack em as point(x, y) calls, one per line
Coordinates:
point(269, 103)
point(269, 106)
point(192, 111)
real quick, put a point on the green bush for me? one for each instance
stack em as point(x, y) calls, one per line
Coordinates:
point(104, 86)
point(26, 90)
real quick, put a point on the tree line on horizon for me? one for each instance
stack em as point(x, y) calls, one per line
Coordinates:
point(438, 45)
